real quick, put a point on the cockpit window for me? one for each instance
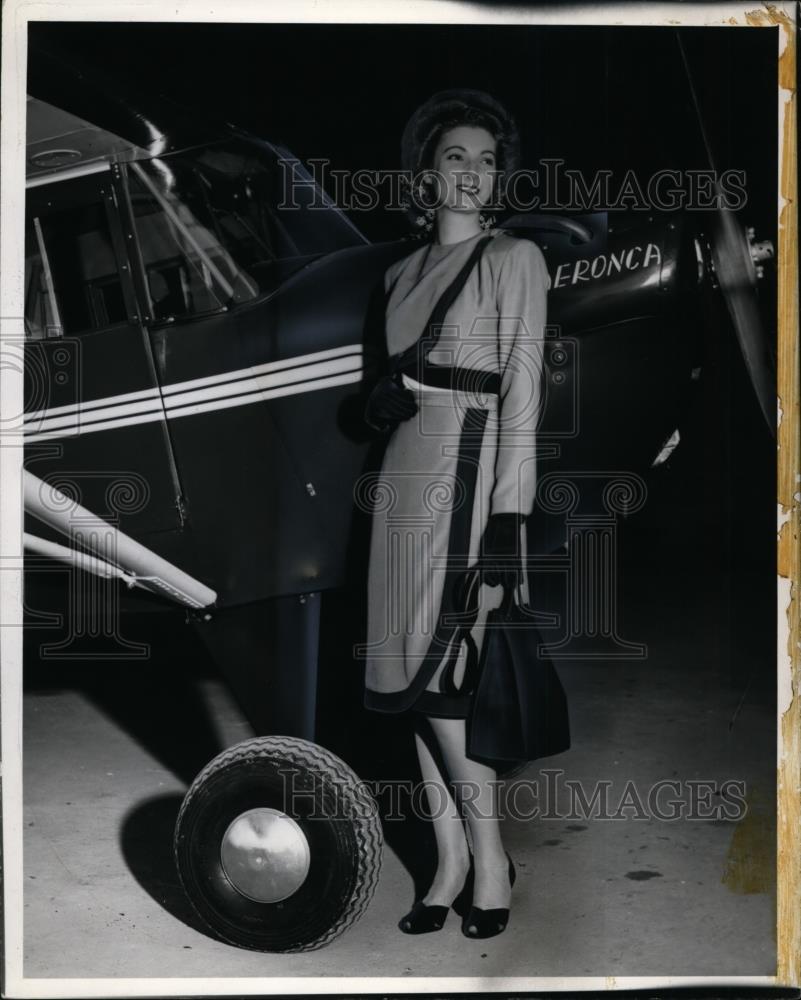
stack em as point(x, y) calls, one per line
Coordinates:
point(257, 214)
point(187, 266)
point(215, 226)
point(72, 283)
point(42, 316)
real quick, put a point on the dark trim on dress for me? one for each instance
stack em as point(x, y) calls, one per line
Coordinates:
point(437, 705)
point(471, 441)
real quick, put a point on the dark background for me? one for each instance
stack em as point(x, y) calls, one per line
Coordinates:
point(598, 98)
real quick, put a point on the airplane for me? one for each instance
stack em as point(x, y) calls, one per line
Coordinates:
point(195, 355)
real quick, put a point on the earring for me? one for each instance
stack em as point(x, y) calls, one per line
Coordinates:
point(425, 222)
point(486, 221)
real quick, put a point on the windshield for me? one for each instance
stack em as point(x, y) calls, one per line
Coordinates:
point(229, 222)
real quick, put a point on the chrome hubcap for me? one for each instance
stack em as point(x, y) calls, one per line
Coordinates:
point(265, 855)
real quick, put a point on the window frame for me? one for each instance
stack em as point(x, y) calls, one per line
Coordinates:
point(138, 268)
point(52, 193)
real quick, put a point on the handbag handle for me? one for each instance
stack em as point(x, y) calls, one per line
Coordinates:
point(467, 598)
point(508, 600)
point(467, 601)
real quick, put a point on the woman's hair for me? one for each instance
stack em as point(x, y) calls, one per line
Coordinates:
point(448, 109)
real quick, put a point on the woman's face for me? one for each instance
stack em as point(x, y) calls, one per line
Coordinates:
point(465, 162)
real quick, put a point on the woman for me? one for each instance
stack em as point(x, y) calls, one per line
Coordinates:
point(464, 323)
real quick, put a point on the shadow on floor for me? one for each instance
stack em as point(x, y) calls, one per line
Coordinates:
point(146, 842)
point(159, 702)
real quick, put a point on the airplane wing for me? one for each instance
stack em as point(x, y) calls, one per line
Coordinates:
point(101, 548)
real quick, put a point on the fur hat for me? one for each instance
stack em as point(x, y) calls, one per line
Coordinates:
point(450, 108)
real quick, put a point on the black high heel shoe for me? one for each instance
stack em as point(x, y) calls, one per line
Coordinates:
point(423, 919)
point(487, 923)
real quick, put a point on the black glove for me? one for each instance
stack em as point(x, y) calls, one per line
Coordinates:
point(388, 404)
point(501, 560)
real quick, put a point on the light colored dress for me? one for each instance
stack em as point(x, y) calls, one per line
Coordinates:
point(468, 452)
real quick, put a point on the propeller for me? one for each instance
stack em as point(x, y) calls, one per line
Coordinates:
point(737, 260)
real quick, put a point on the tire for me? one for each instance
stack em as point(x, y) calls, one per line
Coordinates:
point(331, 811)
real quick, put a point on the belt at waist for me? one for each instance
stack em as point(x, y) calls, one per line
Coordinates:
point(453, 400)
point(471, 380)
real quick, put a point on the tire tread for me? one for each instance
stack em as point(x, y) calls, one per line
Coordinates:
point(367, 826)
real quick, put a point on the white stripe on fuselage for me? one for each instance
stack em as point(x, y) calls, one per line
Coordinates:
point(306, 373)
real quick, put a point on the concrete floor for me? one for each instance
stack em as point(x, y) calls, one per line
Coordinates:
point(106, 766)
point(620, 898)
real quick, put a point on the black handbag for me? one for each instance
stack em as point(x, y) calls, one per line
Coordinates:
point(518, 706)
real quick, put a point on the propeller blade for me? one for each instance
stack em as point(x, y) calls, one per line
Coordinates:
point(736, 258)
point(733, 258)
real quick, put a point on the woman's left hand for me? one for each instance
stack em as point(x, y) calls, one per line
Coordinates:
point(501, 560)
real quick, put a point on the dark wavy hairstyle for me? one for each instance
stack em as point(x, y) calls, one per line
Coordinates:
point(448, 109)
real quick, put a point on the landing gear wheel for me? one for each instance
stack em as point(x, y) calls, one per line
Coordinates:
point(278, 845)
